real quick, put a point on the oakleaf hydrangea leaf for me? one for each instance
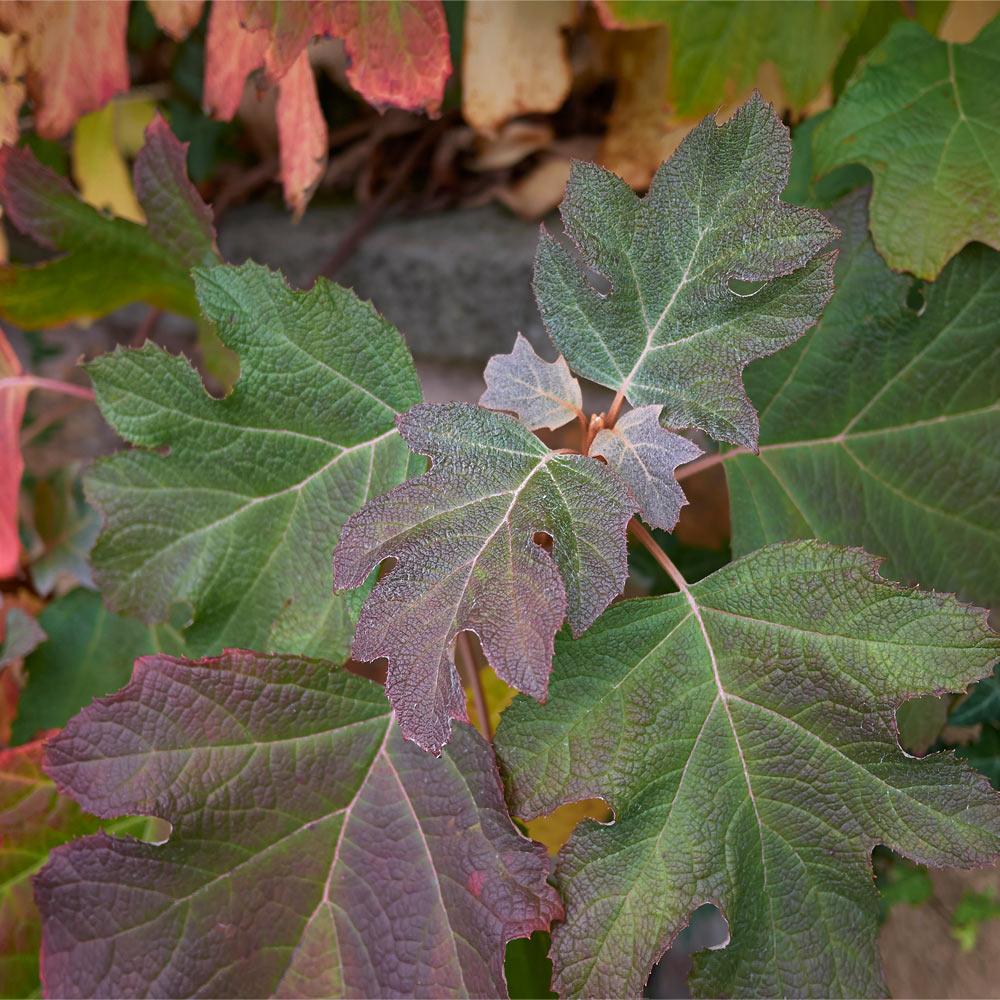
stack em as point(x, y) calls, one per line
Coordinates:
point(462, 537)
point(239, 518)
point(539, 393)
point(106, 262)
point(34, 818)
point(904, 457)
point(314, 852)
point(744, 733)
point(645, 455)
point(924, 116)
point(675, 330)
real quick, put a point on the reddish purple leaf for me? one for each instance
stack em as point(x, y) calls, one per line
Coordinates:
point(314, 851)
point(462, 538)
point(645, 455)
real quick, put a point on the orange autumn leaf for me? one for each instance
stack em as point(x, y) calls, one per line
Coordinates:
point(13, 64)
point(176, 18)
point(302, 134)
point(12, 402)
point(231, 54)
point(76, 57)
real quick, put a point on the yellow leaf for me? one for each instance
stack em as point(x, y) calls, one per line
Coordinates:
point(555, 829)
point(100, 142)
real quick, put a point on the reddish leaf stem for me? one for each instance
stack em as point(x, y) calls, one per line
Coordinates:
point(616, 407)
point(707, 461)
point(641, 535)
point(51, 384)
point(468, 669)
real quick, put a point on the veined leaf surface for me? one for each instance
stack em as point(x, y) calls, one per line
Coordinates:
point(882, 427)
point(924, 116)
point(674, 330)
point(744, 733)
point(314, 851)
point(239, 519)
point(462, 537)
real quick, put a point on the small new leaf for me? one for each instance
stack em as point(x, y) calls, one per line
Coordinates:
point(239, 519)
point(675, 330)
point(924, 116)
point(539, 393)
point(645, 455)
point(462, 537)
point(744, 733)
point(313, 852)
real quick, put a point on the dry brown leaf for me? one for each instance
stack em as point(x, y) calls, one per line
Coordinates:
point(513, 143)
point(538, 192)
point(515, 60)
point(964, 19)
point(13, 66)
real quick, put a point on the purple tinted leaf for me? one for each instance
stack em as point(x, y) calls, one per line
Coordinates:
point(462, 538)
point(540, 393)
point(314, 851)
point(645, 455)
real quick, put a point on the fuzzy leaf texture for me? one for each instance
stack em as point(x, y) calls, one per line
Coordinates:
point(34, 818)
point(672, 331)
point(104, 263)
point(904, 457)
point(539, 393)
point(744, 733)
point(462, 538)
point(717, 47)
point(239, 519)
point(645, 455)
point(333, 858)
point(924, 116)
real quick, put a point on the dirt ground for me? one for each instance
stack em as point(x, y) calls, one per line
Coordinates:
point(921, 957)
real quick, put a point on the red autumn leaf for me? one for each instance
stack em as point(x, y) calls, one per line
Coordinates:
point(231, 54)
point(76, 57)
point(176, 17)
point(302, 134)
point(398, 51)
point(12, 401)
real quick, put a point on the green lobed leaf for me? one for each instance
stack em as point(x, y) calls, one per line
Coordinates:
point(463, 540)
point(924, 116)
point(314, 851)
point(89, 653)
point(674, 330)
point(34, 818)
point(718, 46)
point(984, 753)
point(105, 262)
point(744, 733)
point(238, 519)
point(881, 428)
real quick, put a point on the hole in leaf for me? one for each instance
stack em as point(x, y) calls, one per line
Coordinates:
point(543, 540)
point(916, 300)
point(745, 289)
point(707, 929)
